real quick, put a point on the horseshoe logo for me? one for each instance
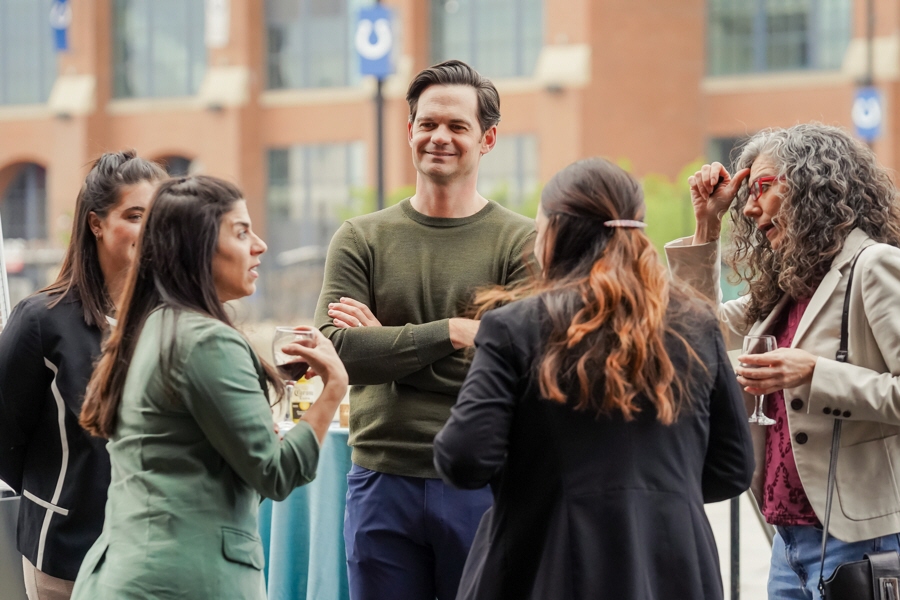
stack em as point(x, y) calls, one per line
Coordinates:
point(60, 15)
point(866, 113)
point(378, 49)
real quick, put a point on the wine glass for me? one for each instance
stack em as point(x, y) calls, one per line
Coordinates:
point(291, 368)
point(759, 344)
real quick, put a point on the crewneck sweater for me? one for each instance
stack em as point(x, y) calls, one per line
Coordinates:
point(414, 272)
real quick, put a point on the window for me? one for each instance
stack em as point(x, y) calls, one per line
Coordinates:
point(310, 191)
point(500, 38)
point(508, 174)
point(158, 48)
point(308, 185)
point(725, 150)
point(176, 166)
point(310, 43)
point(748, 36)
point(23, 210)
point(27, 55)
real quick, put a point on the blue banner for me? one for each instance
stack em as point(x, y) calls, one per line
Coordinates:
point(60, 19)
point(375, 41)
point(868, 113)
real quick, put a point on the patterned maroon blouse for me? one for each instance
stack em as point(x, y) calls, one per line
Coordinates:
point(784, 501)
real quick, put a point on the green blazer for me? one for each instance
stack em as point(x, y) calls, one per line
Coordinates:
point(189, 463)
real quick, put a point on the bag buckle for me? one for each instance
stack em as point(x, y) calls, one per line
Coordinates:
point(889, 588)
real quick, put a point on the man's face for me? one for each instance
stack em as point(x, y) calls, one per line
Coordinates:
point(445, 138)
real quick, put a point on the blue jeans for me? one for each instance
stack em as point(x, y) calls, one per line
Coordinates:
point(407, 538)
point(796, 552)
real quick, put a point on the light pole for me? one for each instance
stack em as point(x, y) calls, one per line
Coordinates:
point(870, 50)
point(374, 44)
point(379, 136)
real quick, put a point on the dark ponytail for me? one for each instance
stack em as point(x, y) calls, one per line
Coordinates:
point(80, 274)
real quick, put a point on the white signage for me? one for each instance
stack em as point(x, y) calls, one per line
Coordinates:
point(381, 46)
point(218, 23)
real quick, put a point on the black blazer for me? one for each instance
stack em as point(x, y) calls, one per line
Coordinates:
point(588, 507)
point(46, 359)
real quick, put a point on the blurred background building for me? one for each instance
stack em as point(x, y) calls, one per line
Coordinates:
point(267, 93)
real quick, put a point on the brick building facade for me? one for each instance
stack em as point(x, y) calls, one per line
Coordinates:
point(276, 104)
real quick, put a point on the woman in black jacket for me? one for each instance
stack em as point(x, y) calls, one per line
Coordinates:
point(47, 352)
point(603, 410)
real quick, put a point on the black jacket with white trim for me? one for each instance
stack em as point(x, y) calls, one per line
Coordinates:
point(46, 359)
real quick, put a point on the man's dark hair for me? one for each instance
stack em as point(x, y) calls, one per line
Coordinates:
point(456, 72)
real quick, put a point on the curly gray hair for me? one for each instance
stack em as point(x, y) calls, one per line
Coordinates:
point(833, 184)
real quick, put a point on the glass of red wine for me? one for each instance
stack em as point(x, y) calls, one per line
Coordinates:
point(291, 368)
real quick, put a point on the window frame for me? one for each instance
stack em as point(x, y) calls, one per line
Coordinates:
point(46, 59)
point(312, 230)
point(437, 41)
point(305, 20)
point(760, 39)
point(123, 76)
point(524, 180)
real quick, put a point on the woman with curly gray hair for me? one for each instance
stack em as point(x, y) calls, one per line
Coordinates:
point(814, 199)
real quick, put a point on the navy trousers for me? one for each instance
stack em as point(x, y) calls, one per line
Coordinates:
point(407, 538)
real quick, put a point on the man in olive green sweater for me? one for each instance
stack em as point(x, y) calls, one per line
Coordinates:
point(395, 282)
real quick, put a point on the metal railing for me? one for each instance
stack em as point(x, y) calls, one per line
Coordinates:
point(735, 541)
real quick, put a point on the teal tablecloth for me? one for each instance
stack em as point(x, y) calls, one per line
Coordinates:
point(303, 536)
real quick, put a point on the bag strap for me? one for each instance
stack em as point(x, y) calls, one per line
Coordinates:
point(832, 464)
point(841, 356)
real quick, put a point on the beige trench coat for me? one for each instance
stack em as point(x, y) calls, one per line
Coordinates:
point(865, 391)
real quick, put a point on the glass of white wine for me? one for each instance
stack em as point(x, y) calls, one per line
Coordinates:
point(759, 344)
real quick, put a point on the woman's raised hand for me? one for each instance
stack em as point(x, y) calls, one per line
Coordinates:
point(712, 191)
point(323, 361)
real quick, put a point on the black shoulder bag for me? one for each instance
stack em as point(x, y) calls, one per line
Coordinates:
point(875, 577)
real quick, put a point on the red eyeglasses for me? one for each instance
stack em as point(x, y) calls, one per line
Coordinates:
point(762, 185)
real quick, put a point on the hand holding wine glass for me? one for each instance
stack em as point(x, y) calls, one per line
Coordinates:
point(317, 353)
point(289, 367)
point(759, 344)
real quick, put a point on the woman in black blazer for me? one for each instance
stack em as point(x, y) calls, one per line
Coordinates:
point(602, 408)
point(47, 354)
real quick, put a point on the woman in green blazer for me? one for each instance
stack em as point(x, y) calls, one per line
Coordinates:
point(183, 399)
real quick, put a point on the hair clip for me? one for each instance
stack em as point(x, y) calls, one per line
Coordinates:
point(625, 223)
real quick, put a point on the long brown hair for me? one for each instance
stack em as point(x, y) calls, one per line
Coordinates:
point(80, 275)
point(173, 271)
point(606, 294)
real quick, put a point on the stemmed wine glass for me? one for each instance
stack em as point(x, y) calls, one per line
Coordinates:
point(291, 368)
point(759, 344)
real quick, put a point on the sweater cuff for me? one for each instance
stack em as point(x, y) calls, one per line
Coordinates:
point(432, 341)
